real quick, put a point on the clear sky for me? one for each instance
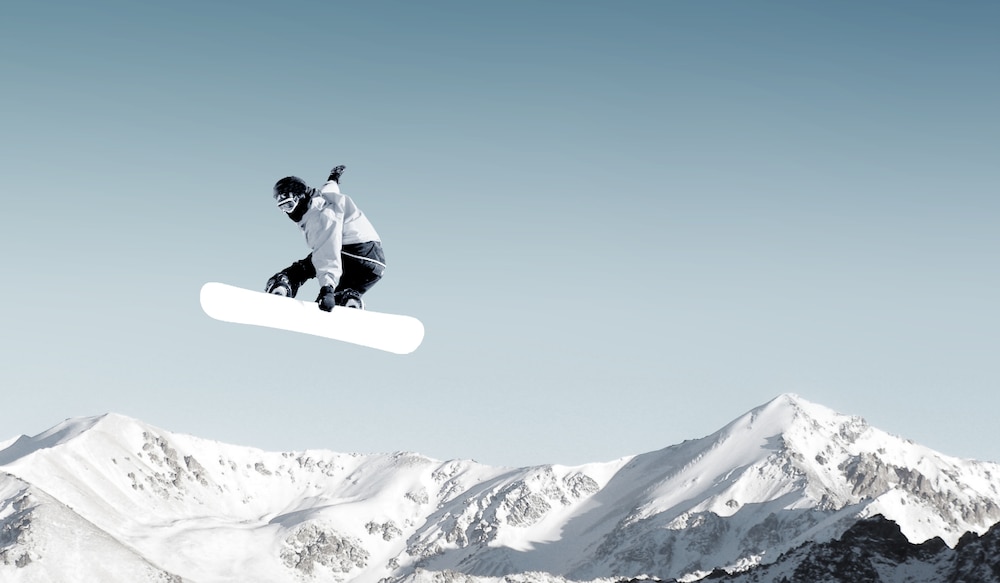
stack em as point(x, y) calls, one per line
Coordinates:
point(623, 224)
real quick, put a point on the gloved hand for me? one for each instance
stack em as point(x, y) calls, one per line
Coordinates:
point(281, 285)
point(326, 299)
point(288, 281)
point(336, 172)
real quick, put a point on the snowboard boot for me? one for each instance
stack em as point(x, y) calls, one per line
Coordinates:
point(280, 285)
point(349, 298)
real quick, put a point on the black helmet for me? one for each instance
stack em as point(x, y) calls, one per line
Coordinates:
point(290, 185)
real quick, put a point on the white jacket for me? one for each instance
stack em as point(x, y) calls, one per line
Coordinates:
point(332, 221)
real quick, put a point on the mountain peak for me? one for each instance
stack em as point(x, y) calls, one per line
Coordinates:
point(64, 432)
point(88, 436)
point(790, 421)
point(789, 408)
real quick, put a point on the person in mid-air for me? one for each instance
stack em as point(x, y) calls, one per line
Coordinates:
point(346, 258)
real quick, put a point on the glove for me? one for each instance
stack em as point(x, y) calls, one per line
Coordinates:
point(288, 281)
point(326, 299)
point(336, 172)
point(279, 284)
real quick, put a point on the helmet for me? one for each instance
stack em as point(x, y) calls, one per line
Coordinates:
point(289, 191)
point(290, 185)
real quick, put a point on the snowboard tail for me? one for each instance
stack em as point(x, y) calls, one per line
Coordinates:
point(389, 332)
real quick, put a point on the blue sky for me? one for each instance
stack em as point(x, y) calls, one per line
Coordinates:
point(622, 224)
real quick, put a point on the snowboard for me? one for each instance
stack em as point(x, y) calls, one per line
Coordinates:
point(390, 332)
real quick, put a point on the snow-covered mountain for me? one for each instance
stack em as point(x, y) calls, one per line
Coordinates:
point(159, 506)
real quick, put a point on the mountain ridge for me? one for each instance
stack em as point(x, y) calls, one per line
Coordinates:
point(783, 474)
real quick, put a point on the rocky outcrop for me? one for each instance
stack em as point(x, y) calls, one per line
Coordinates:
point(312, 546)
point(875, 551)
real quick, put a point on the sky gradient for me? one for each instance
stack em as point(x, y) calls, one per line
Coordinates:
point(622, 225)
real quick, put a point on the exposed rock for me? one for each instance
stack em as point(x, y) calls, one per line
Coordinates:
point(876, 551)
point(312, 545)
point(387, 530)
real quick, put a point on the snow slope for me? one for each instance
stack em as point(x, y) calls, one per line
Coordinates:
point(169, 505)
point(43, 540)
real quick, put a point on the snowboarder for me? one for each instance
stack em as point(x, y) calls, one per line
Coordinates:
point(346, 258)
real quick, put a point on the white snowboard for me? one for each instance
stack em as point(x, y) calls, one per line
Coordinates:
point(389, 332)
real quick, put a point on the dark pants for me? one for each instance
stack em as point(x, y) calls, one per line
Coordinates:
point(363, 264)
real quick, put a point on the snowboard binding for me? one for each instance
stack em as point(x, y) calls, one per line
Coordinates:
point(279, 284)
point(349, 298)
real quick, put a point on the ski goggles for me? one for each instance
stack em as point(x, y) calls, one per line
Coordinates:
point(286, 201)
